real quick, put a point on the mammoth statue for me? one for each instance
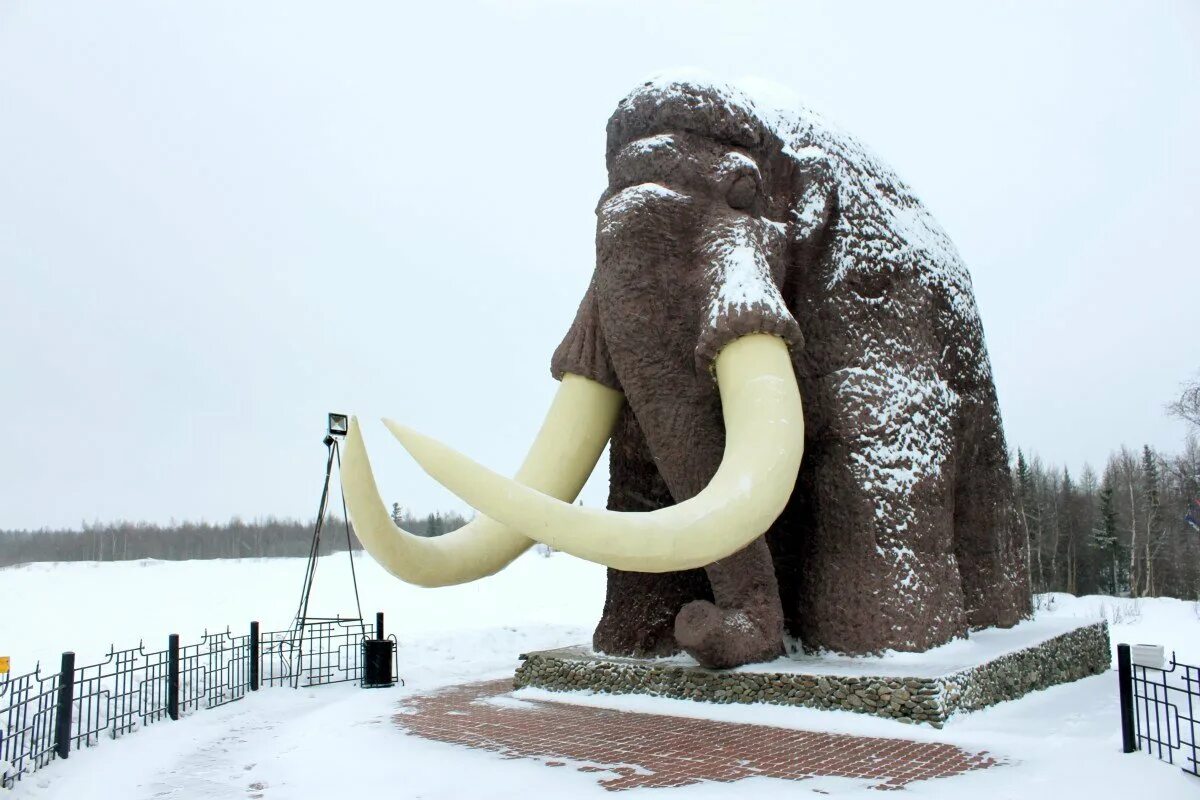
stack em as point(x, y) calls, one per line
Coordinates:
point(745, 260)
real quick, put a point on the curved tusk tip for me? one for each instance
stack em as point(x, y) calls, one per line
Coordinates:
point(406, 435)
point(429, 453)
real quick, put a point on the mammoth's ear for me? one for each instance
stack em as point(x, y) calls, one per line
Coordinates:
point(814, 198)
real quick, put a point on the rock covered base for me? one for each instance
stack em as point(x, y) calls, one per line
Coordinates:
point(965, 676)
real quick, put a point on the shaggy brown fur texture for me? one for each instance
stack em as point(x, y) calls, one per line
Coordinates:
point(718, 223)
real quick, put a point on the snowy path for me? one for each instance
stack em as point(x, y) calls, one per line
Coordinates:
point(215, 763)
point(342, 741)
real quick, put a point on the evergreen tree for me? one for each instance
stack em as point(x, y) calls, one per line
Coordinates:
point(1154, 536)
point(1025, 499)
point(1104, 539)
point(1068, 521)
point(1092, 565)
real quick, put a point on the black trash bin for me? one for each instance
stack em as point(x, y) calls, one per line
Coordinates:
point(377, 662)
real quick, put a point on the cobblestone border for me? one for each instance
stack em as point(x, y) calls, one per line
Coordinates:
point(1062, 659)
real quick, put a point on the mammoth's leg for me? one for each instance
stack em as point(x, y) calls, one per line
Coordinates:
point(879, 568)
point(990, 552)
point(723, 615)
point(745, 623)
point(640, 607)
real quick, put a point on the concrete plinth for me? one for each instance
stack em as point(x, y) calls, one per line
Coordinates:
point(991, 666)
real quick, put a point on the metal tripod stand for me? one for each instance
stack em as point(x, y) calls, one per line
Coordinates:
point(337, 428)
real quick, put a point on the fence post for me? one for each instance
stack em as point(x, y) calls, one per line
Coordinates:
point(1125, 679)
point(66, 706)
point(378, 624)
point(254, 656)
point(173, 676)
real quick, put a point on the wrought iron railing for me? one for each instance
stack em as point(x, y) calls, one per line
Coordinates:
point(43, 717)
point(27, 723)
point(1160, 708)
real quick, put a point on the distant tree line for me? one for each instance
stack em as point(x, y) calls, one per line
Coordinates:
point(184, 541)
point(1133, 529)
point(434, 524)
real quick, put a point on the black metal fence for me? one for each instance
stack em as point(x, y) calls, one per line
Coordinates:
point(1160, 708)
point(43, 717)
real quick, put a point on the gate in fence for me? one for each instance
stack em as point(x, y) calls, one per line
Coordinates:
point(1160, 705)
point(43, 717)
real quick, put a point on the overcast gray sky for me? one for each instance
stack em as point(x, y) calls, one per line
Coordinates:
point(220, 220)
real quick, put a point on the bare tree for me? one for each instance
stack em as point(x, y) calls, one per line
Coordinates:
point(1187, 407)
point(1129, 474)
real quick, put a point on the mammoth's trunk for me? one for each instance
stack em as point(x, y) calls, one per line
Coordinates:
point(673, 287)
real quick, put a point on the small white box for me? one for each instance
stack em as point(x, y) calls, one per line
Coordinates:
point(1147, 655)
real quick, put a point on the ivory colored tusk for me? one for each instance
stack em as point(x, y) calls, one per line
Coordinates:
point(577, 427)
point(764, 442)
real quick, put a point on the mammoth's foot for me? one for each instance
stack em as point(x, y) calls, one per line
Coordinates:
point(640, 609)
point(651, 639)
point(720, 638)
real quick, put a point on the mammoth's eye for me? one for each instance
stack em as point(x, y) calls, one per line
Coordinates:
point(742, 192)
point(740, 180)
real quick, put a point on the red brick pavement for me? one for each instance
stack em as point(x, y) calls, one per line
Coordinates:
point(658, 750)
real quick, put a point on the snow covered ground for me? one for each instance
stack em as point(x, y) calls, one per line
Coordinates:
point(283, 744)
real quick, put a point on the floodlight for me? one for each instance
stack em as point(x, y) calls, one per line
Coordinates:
point(339, 424)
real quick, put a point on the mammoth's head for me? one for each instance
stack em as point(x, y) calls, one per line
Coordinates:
point(683, 158)
point(705, 195)
point(705, 212)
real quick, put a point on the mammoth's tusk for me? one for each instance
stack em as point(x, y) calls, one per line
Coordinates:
point(764, 441)
point(577, 427)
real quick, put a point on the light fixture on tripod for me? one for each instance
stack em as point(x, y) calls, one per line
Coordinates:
point(337, 427)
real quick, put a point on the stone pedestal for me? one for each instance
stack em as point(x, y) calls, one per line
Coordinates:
point(991, 666)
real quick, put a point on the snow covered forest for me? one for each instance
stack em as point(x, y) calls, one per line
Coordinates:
point(185, 541)
point(175, 541)
point(1129, 530)
point(1132, 530)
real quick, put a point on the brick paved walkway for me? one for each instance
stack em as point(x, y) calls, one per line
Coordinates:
point(637, 750)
